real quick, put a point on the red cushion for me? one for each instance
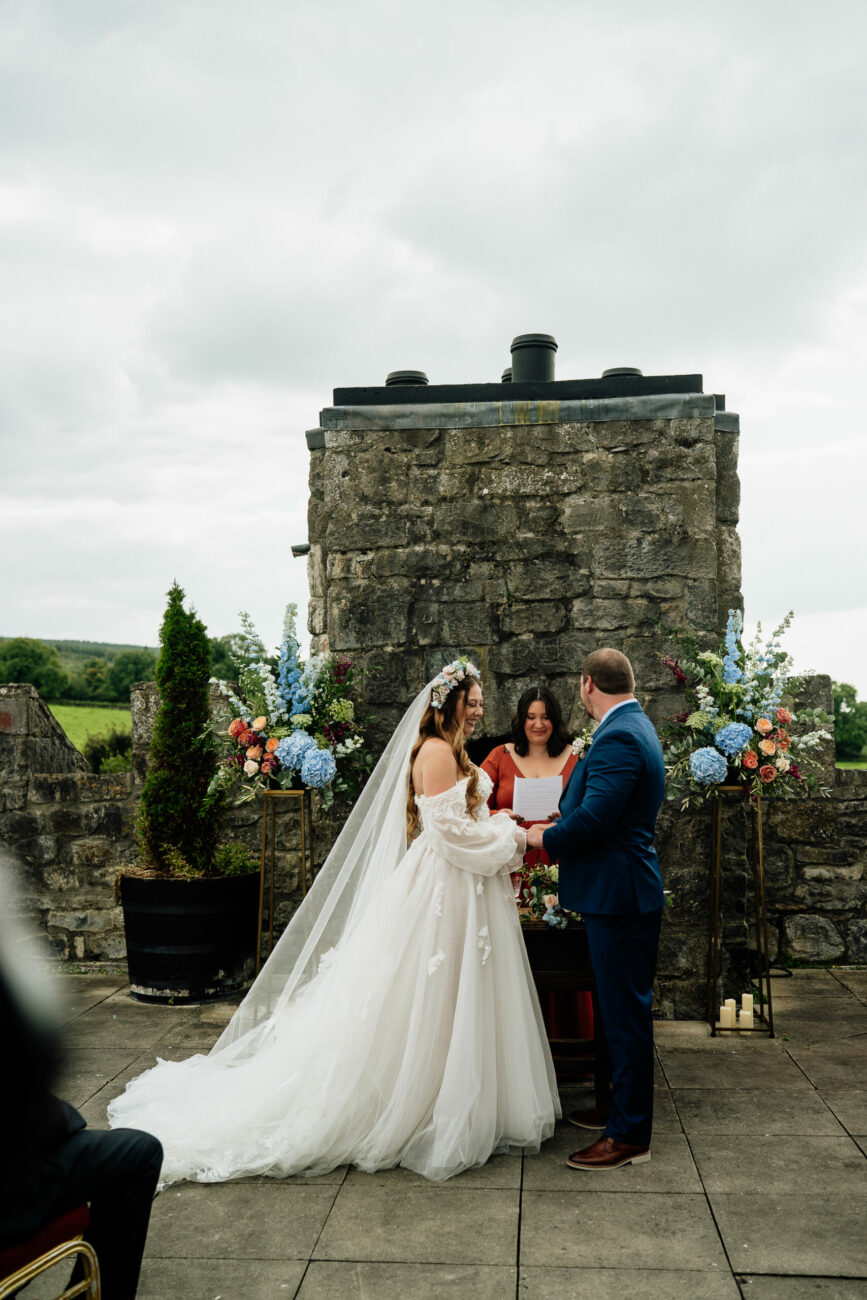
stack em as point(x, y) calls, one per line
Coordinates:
point(72, 1223)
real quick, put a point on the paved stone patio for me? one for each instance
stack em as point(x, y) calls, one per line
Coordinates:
point(757, 1186)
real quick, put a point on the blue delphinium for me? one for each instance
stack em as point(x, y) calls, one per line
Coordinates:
point(288, 671)
point(732, 738)
point(708, 766)
point(292, 750)
point(318, 768)
point(731, 668)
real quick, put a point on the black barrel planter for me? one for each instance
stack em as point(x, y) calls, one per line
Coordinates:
point(190, 940)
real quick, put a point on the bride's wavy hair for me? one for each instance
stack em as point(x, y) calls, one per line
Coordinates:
point(443, 723)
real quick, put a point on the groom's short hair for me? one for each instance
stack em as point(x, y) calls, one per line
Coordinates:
point(611, 672)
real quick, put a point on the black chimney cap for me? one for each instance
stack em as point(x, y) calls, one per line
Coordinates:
point(405, 378)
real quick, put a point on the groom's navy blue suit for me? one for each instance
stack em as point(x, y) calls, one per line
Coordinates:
point(609, 872)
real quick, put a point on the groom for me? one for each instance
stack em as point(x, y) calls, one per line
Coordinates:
point(609, 872)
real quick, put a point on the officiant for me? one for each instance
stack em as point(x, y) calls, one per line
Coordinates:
point(530, 773)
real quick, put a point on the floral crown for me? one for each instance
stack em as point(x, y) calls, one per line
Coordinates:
point(449, 677)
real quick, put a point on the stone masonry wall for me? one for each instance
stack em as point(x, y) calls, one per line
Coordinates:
point(524, 545)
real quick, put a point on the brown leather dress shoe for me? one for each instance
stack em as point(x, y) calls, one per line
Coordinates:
point(608, 1153)
point(594, 1118)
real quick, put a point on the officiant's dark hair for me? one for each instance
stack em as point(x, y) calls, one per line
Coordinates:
point(559, 738)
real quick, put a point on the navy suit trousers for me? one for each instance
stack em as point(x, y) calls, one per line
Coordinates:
point(623, 953)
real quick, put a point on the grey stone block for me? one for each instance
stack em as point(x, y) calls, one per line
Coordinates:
point(238, 1221)
point(833, 1068)
point(446, 1225)
point(850, 1109)
point(371, 1281)
point(746, 1112)
point(780, 1164)
point(202, 1279)
point(625, 1284)
point(643, 1230)
point(794, 1234)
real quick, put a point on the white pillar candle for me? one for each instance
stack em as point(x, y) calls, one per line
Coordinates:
point(726, 1017)
point(747, 1002)
point(746, 1020)
point(733, 1007)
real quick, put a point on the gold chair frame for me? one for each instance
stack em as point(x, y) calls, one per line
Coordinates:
point(88, 1287)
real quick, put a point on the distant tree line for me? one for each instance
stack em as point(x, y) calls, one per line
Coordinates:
point(91, 671)
point(850, 723)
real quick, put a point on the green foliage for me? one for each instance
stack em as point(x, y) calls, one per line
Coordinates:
point(234, 859)
point(126, 668)
point(172, 823)
point(223, 656)
point(850, 722)
point(24, 659)
point(110, 752)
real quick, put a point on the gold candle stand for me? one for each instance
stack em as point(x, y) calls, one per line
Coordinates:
point(269, 837)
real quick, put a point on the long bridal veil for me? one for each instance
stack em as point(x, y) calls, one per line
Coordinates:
point(367, 851)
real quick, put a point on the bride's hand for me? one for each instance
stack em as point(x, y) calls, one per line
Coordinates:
point(515, 816)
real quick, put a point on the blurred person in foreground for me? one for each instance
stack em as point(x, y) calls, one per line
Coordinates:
point(50, 1161)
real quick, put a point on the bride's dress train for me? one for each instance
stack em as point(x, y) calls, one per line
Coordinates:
point(418, 1043)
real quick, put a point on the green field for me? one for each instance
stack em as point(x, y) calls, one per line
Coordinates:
point(861, 764)
point(81, 721)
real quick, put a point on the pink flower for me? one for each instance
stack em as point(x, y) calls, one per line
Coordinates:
point(764, 725)
point(767, 747)
point(750, 759)
point(550, 900)
point(251, 768)
point(236, 727)
point(768, 774)
point(784, 716)
point(259, 724)
point(255, 751)
point(269, 764)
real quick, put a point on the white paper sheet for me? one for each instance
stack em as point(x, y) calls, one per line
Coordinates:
point(536, 798)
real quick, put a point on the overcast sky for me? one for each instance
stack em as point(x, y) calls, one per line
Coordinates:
point(212, 213)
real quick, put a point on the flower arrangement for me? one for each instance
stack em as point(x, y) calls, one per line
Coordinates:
point(538, 900)
point(294, 725)
point(738, 727)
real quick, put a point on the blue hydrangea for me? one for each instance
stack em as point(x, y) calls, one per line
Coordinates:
point(732, 738)
point(556, 917)
point(708, 766)
point(318, 768)
point(292, 749)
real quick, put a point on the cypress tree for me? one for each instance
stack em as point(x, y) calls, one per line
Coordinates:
point(174, 832)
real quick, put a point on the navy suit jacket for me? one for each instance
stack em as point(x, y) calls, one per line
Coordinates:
point(604, 838)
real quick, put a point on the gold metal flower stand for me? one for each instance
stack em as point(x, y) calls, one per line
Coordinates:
point(270, 799)
point(764, 1015)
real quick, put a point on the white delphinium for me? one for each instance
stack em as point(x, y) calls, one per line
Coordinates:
point(239, 709)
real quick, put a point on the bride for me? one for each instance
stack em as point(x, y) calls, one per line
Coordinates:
point(396, 1021)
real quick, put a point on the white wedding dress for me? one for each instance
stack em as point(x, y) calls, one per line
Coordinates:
point(418, 1041)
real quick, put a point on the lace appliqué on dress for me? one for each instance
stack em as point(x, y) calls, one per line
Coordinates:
point(435, 962)
point(483, 944)
point(437, 902)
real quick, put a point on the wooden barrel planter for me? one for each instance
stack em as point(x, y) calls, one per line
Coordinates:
point(190, 940)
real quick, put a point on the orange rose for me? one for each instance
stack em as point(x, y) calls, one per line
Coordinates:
point(255, 751)
point(784, 716)
point(784, 740)
point(767, 747)
point(259, 724)
point(236, 727)
point(764, 725)
point(768, 774)
point(271, 744)
point(750, 759)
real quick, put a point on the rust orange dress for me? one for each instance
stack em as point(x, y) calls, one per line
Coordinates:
point(567, 1015)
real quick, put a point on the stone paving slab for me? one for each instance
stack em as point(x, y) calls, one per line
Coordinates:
point(797, 1234)
point(238, 1221)
point(644, 1230)
point(759, 1065)
point(81, 992)
point(439, 1225)
point(332, 1280)
point(625, 1284)
point(747, 1111)
point(207, 1279)
point(832, 1068)
point(501, 1171)
point(855, 981)
point(781, 1164)
point(756, 1287)
point(670, 1169)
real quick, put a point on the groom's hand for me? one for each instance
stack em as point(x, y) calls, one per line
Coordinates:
point(534, 835)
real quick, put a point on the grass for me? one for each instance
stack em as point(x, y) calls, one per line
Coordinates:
point(81, 721)
point(860, 764)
